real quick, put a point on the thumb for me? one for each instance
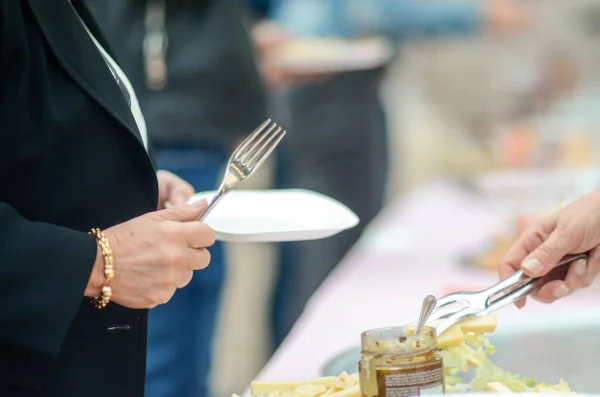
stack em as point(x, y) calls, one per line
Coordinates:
point(545, 257)
point(184, 212)
point(181, 194)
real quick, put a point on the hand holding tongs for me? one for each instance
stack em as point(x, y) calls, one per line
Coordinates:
point(482, 303)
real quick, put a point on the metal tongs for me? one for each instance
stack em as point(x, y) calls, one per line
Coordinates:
point(486, 302)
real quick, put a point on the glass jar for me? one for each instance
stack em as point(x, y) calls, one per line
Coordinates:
point(396, 363)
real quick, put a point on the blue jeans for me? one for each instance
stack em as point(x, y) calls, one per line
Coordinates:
point(181, 332)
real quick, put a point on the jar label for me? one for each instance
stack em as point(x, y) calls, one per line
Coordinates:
point(411, 382)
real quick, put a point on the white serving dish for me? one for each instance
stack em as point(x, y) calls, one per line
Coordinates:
point(318, 55)
point(532, 190)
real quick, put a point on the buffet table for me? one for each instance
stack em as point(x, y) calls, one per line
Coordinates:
point(412, 249)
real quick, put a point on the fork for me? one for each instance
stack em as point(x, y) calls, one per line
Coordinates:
point(482, 303)
point(246, 159)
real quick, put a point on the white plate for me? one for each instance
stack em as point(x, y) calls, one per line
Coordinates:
point(277, 215)
point(330, 55)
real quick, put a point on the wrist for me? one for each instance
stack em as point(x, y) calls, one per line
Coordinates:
point(96, 280)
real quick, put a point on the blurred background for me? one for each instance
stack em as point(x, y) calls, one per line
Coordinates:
point(511, 116)
point(497, 99)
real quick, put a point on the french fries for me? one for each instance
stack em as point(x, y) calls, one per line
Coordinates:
point(330, 386)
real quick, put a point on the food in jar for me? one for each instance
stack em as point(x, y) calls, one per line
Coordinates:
point(396, 362)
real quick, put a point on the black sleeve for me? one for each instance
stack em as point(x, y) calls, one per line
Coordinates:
point(44, 270)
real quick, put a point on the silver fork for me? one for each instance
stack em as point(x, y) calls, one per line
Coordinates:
point(482, 303)
point(246, 159)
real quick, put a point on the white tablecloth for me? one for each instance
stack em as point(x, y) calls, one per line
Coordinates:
point(411, 250)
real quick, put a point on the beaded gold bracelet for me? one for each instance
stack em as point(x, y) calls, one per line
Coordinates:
point(100, 302)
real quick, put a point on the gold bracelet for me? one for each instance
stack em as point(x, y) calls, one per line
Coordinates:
point(100, 302)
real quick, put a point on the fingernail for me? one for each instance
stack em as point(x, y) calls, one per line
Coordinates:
point(580, 267)
point(561, 291)
point(179, 199)
point(199, 203)
point(532, 265)
point(520, 305)
point(589, 279)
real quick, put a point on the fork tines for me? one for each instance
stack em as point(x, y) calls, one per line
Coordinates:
point(259, 145)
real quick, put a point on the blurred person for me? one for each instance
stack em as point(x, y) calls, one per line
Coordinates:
point(398, 20)
point(83, 250)
point(339, 146)
point(193, 67)
point(574, 229)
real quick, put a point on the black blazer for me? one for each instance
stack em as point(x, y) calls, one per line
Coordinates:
point(71, 159)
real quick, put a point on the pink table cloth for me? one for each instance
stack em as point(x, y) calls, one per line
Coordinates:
point(411, 250)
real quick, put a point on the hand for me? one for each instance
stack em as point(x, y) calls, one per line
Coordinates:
point(506, 16)
point(154, 255)
point(573, 230)
point(268, 39)
point(173, 189)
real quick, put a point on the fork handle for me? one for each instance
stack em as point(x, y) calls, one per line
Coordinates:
point(212, 204)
